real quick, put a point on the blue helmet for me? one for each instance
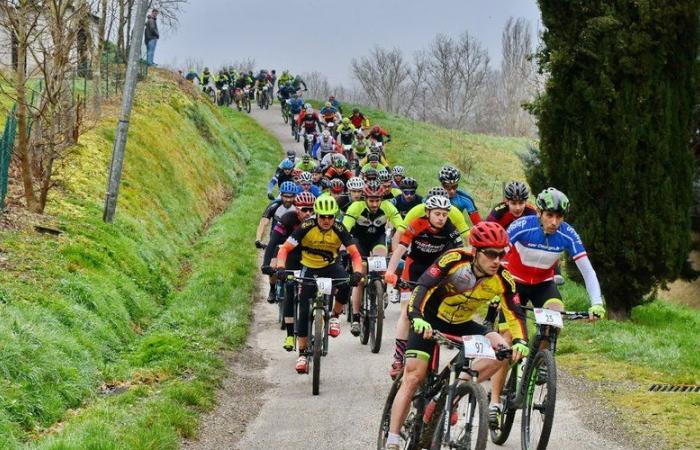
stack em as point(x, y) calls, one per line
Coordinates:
point(288, 187)
point(287, 164)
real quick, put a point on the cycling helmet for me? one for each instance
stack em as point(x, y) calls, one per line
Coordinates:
point(398, 171)
point(338, 161)
point(449, 174)
point(553, 200)
point(325, 205)
point(384, 175)
point(437, 202)
point(345, 121)
point(337, 186)
point(304, 199)
point(288, 187)
point(325, 135)
point(306, 157)
point(305, 177)
point(488, 234)
point(206, 70)
point(308, 109)
point(516, 190)
point(356, 110)
point(287, 165)
point(359, 135)
point(373, 157)
point(328, 104)
point(409, 183)
point(291, 154)
point(331, 98)
point(370, 174)
point(374, 188)
point(438, 190)
point(356, 184)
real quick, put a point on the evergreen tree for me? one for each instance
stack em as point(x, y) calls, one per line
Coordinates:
point(615, 122)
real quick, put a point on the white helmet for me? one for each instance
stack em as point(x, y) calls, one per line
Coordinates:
point(305, 177)
point(437, 202)
point(356, 184)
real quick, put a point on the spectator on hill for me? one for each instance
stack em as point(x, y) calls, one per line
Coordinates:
point(151, 36)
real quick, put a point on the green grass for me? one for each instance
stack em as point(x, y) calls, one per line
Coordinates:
point(111, 304)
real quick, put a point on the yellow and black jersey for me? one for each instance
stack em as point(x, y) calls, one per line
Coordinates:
point(455, 300)
point(319, 248)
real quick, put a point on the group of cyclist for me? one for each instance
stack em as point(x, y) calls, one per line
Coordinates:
point(342, 196)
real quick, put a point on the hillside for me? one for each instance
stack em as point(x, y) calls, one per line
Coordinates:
point(141, 307)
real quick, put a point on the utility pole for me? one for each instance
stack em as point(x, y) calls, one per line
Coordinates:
point(115, 169)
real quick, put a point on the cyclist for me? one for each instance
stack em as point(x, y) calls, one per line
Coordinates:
point(337, 191)
point(358, 119)
point(328, 158)
point(207, 78)
point(424, 240)
point(307, 163)
point(338, 169)
point(317, 176)
point(355, 187)
point(369, 174)
point(324, 146)
point(398, 173)
point(285, 92)
point(408, 198)
point(192, 75)
point(320, 239)
point(309, 119)
point(384, 177)
point(536, 243)
point(272, 214)
point(296, 105)
point(514, 205)
point(372, 162)
point(282, 174)
point(297, 82)
point(449, 178)
point(346, 131)
point(445, 299)
point(456, 217)
point(291, 155)
point(367, 221)
point(378, 134)
point(284, 78)
point(336, 104)
point(360, 145)
point(306, 184)
point(287, 224)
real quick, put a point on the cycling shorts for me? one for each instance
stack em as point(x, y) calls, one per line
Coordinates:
point(538, 294)
point(368, 243)
point(420, 348)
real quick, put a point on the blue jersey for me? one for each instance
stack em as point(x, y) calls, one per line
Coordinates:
point(315, 190)
point(464, 202)
point(295, 105)
point(533, 254)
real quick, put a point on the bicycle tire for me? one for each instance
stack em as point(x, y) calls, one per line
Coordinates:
point(248, 106)
point(280, 314)
point(476, 397)
point(412, 426)
point(544, 359)
point(500, 435)
point(317, 351)
point(365, 324)
point(285, 115)
point(377, 317)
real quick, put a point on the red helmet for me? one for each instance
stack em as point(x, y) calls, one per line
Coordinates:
point(376, 128)
point(337, 185)
point(488, 234)
point(374, 188)
point(304, 199)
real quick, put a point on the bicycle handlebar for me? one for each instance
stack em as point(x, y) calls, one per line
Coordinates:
point(453, 341)
point(568, 315)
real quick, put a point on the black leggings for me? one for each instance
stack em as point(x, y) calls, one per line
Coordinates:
point(308, 291)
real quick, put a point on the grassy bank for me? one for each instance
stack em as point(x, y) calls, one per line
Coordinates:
point(141, 307)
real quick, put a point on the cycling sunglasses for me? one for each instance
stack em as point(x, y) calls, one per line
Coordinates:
point(327, 216)
point(306, 210)
point(493, 254)
point(409, 193)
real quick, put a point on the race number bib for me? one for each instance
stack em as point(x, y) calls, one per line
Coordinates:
point(376, 264)
point(548, 317)
point(478, 346)
point(405, 296)
point(324, 285)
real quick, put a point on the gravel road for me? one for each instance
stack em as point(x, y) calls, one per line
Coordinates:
point(265, 404)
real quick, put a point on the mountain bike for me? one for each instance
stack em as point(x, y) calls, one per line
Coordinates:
point(372, 306)
point(319, 318)
point(285, 110)
point(448, 411)
point(532, 384)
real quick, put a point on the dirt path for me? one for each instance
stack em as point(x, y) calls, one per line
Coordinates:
point(281, 413)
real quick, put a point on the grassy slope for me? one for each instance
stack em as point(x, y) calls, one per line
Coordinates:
point(107, 304)
point(658, 345)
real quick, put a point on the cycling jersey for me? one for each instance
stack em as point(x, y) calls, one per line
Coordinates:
point(454, 215)
point(425, 242)
point(284, 227)
point(379, 135)
point(502, 215)
point(278, 178)
point(295, 105)
point(359, 120)
point(367, 226)
point(329, 114)
point(368, 166)
point(437, 298)
point(341, 174)
point(346, 133)
point(306, 166)
point(276, 209)
point(319, 248)
point(533, 254)
point(465, 203)
point(404, 206)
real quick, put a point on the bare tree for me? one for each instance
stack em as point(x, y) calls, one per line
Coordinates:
point(382, 74)
point(517, 70)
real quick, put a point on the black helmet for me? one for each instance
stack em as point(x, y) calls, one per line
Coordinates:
point(409, 183)
point(516, 190)
point(438, 190)
point(355, 110)
point(553, 200)
point(449, 174)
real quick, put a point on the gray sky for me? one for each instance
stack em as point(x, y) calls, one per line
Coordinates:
point(321, 35)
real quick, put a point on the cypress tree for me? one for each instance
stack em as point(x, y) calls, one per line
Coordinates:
point(615, 122)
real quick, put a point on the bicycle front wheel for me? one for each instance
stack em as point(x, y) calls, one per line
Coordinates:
point(467, 425)
point(540, 398)
point(317, 351)
point(376, 317)
point(365, 324)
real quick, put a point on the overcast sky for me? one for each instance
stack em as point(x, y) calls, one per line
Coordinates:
point(322, 35)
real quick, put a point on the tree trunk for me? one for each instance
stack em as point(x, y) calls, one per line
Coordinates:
point(121, 55)
point(621, 314)
point(97, 63)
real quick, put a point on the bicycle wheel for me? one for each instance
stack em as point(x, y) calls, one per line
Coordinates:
point(248, 106)
point(412, 427)
point(364, 315)
point(500, 435)
point(377, 317)
point(285, 115)
point(540, 398)
point(468, 421)
point(317, 350)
